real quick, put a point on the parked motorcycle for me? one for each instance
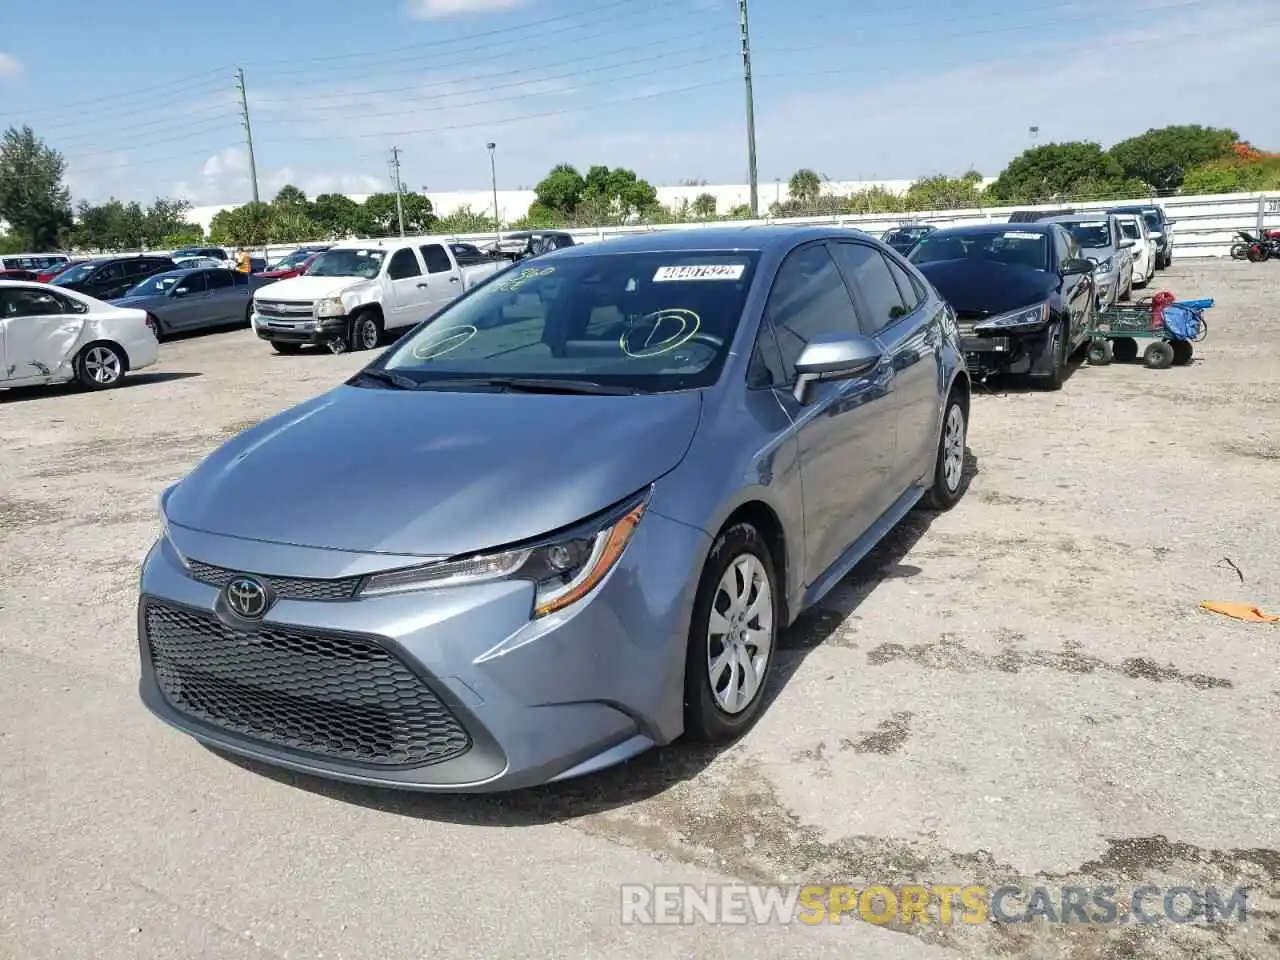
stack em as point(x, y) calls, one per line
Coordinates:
point(1256, 249)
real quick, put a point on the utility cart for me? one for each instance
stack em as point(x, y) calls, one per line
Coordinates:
point(1171, 327)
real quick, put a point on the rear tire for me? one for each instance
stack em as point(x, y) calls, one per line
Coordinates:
point(1100, 352)
point(731, 624)
point(1125, 349)
point(288, 349)
point(1158, 356)
point(100, 366)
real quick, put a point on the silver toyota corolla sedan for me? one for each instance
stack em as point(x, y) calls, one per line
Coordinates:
point(564, 519)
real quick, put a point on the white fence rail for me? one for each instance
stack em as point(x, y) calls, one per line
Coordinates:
point(1205, 226)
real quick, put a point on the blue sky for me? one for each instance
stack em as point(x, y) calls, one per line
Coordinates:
point(144, 104)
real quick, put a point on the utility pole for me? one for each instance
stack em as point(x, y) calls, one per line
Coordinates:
point(493, 177)
point(248, 130)
point(751, 110)
point(395, 176)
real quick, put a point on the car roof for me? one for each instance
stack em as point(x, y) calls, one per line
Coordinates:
point(745, 238)
point(1077, 217)
point(989, 229)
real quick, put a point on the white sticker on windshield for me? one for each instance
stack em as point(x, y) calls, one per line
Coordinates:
point(1019, 235)
point(709, 271)
point(1093, 223)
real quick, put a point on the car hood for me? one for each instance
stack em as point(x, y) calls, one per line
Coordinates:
point(987, 287)
point(432, 473)
point(313, 288)
point(140, 302)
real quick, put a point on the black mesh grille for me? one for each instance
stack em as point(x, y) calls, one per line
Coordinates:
point(346, 698)
point(285, 588)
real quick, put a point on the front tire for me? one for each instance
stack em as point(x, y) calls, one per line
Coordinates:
point(365, 332)
point(1058, 375)
point(288, 349)
point(732, 637)
point(948, 470)
point(100, 366)
point(1159, 355)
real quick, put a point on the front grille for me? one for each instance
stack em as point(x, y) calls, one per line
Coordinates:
point(285, 588)
point(283, 310)
point(341, 697)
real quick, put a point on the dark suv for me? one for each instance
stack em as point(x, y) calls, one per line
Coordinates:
point(111, 277)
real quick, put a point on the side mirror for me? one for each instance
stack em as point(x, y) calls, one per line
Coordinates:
point(1076, 268)
point(180, 291)
point(834, 357)
point(1128, 243)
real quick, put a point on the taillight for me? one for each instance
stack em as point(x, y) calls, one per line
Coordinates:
point(151, 325)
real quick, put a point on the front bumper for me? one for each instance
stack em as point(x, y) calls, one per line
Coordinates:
point(449, 690)
point(308, 331)
point(1007, 353)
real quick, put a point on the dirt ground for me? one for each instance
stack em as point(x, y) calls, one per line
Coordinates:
point(1020, 691)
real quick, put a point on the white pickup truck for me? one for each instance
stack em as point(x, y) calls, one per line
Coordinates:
point(357, 290)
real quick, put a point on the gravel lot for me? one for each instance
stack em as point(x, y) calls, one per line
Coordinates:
point(1022, 690)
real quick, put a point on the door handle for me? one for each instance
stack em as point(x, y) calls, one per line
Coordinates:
point(422, 286)
point(453, 279)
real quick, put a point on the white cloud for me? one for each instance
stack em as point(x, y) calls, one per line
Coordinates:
point(225, 178)
point(439, 9)
point(10, 66)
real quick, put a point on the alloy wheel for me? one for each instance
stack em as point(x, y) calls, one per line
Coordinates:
point(102, 365)
point(740, 634)
point(953, 448)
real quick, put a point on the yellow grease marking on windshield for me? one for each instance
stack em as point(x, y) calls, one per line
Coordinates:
point(523, 277)
point(446, 344)
point(689, 322)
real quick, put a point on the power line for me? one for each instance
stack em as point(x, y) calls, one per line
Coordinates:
point(525, 72)
point(115, 116)
point(413, 111)
point(141, 91)
point(522, 28)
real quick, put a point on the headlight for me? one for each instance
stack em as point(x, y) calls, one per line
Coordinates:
point(330, 307)
point(1103, 266)
point(564, 569)
point(1024, 320)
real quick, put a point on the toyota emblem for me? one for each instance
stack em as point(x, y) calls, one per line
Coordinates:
point(247, 598)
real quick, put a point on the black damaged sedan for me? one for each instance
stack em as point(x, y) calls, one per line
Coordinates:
point(1022, 294)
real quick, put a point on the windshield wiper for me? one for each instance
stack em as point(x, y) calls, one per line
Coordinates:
point(530, 385)
point(389, 378)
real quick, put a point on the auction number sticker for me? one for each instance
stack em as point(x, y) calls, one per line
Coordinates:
point(1273, 206)
point(708, 271)
point(1019, 235)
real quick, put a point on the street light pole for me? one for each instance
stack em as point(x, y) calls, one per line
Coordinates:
point(493, 180)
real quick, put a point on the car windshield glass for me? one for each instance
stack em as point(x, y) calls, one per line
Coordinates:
point(906, 234)
point(650, 322)
point(347, 263)
point(1089, 233)
point(156, 286)
point(1130, 229)
point(1014, 248)
point(292, 260)
point(77, 273)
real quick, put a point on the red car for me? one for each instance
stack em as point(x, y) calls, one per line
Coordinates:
point(27, 275)
point(294, 265)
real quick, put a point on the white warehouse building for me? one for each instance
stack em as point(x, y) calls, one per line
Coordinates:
point(514, 204)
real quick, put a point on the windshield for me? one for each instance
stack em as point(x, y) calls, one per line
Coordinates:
point(906, 235)
point(647, 321)
point(347, 263)
point(1089, 233)
point(156, 286)
point(295, 259)
point(1015, 248)
point(1129, 228)
point(77, 273)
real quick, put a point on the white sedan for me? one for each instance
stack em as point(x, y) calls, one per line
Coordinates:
point(51, 335)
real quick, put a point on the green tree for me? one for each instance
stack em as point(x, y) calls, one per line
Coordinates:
point(34, 201)
point(704, 205)
point(338, 217)
point(945, 193)
point(1056, 172)
point(804, 186)
point(291, 196)
point(561, 190)
point(616, 194)
point(166, 218)
point(540, 217)
point(465, 220)
point(1234, 176)
point(1162, 158)
point(248, 225)
point(384, 217)
point(190, 236)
